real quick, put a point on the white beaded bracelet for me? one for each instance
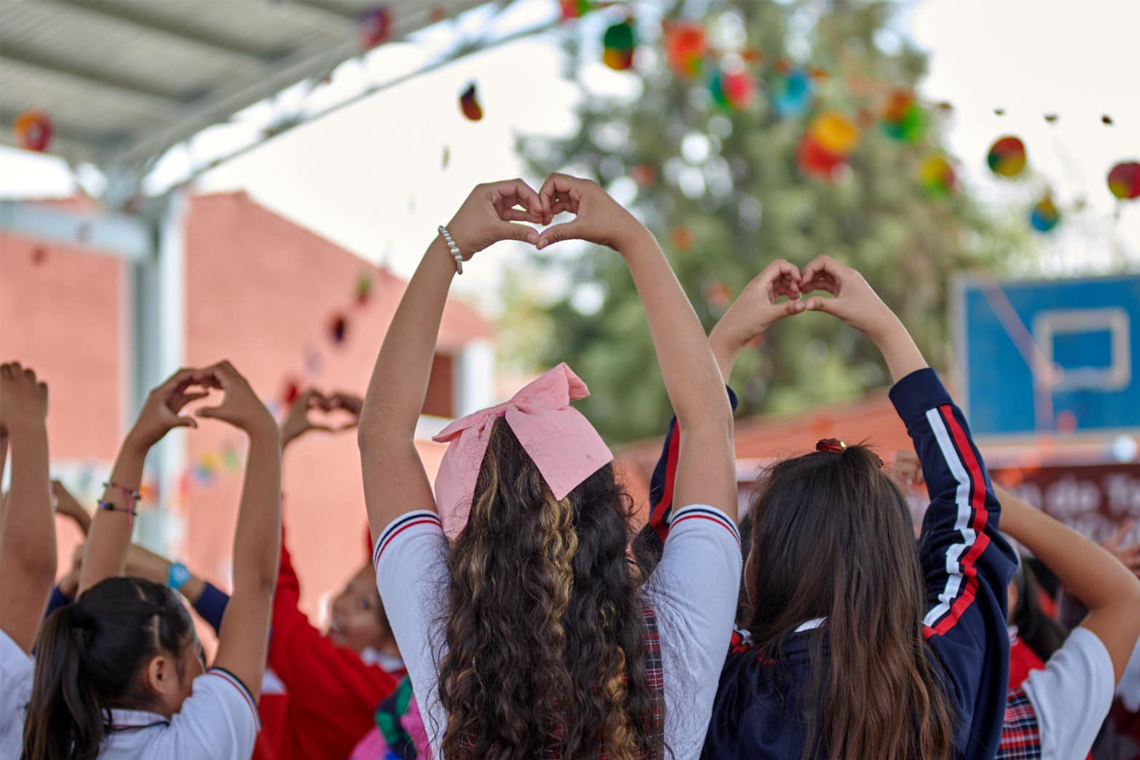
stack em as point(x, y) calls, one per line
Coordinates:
point(451, 246)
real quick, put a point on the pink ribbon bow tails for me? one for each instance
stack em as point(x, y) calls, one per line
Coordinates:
point(559, 440)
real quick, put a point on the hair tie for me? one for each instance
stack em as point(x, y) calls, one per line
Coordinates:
point(834, 445)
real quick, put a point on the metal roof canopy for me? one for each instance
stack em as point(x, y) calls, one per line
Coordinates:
point(125, 80)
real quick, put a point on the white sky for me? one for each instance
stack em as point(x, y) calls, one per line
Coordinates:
point(370, 175)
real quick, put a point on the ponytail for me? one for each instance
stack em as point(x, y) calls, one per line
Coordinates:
point(90, 655)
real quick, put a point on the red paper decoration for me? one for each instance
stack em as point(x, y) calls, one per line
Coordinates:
point(33, 130)
point(816, 162)
point(1124, 180)
point(375, 27)
point(686, 46)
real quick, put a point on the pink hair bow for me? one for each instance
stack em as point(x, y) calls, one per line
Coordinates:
point(559, 440)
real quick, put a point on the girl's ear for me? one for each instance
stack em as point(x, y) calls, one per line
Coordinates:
point(160, 677)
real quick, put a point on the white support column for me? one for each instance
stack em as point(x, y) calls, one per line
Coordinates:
point(158, 318)
point(473, 381)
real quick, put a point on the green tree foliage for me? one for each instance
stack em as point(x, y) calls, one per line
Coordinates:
point(731, 180)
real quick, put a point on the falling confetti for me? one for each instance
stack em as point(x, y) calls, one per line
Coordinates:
point(903, 117)
point(999, 112)
point(446, 156)
point(1044, 216)
point(1007, 157)
point(792, 93)
point(936, 176)
point(375, 27)
point(291, 392)
point(363, 289)
point(619, 43)
point(1051, 118)
point(1106, 120)
point(338, 329)
point(1124, 181)
point(469, 102)
point(835, 133)
point(33, 130)
point(686, 46)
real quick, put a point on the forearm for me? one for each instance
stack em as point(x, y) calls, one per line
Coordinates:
point(257, 538)
point(106, 551)
point(726, 348)
point(692, 378)
point(144, 563)
point(898, 348)
point(28, 533)
point(1085, 569)
point(396, 392)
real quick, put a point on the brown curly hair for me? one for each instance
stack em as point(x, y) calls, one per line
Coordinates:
point(545, 632)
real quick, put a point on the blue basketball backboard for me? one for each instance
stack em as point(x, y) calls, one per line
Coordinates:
point(1047, 356)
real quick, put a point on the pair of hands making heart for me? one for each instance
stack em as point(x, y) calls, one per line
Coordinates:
point(297, 421)
point(492, 212)
point(162, 411)
point(850, 298)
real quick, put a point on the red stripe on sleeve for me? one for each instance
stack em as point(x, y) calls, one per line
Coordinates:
point(977, 522)
point(656, 515)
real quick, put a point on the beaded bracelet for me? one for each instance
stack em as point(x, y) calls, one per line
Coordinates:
point(133, 494)
point(108, 506)
point(451, 246)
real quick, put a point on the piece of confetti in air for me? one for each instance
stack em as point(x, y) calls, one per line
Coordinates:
point(469, 103)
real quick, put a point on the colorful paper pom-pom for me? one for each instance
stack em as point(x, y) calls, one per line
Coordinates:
point(816, 162)
point(732, 90)
point(618, 44)
point(903, 117)
point(1007, 156)
point(375, 27)
point(1044, 216)
point(835, 133)
point(936, 176)
point(575, 8)
point(686, 46)
point(469, 102)
point(792, 93)
point(1124, 180)
point(33, 130)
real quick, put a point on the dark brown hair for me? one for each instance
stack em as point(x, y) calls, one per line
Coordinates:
point(832, 538)
point(90, 657)
point(545, 630)
point(1041, 633)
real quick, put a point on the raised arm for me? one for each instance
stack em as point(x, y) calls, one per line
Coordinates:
point(110, 531)
point(706, 471)
point(243, 639)
point(27, 533)
point(394, 477)
point(1105, 586)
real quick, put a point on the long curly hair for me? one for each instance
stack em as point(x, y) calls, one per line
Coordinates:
point(832, 538)
point(545, 631)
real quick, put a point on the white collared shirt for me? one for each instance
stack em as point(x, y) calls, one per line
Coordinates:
point(218, 721)
point(17, 669)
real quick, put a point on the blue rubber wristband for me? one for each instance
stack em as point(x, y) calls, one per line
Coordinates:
point(177, 575)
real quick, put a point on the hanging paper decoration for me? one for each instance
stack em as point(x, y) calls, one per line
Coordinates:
point(1124, 181)
point(835, 133)
point(1044, 216)
point(575, 8)
point(363, 289)
point(686, 46)
point(643, 174)
point(1007, 156)
point(792, 93)
point(719, 296)
point(338, 329)
point(814, 161)
point(682, 238)
point(936, 176)
point(469, 102)
point(903, 117)
point(375, 27)
point(732, 90)
point(618, 43)
point(33, 130)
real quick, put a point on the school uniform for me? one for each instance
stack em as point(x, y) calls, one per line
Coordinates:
point(966, 565)
point(690, 599)
point(1056, 712)
point(17, 671)
point(218, 721)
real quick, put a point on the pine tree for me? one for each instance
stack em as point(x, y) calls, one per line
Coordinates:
point(728, 197)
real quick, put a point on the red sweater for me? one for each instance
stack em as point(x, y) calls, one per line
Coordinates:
point(332, 693)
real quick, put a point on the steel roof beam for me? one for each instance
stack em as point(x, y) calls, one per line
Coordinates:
point(86, 79)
